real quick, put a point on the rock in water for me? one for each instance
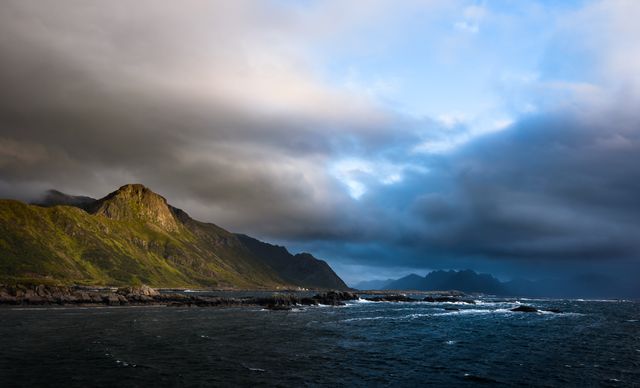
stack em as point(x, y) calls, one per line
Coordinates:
point(334, 298)
point(447, 299)
point(525, 309)
point(392, 298)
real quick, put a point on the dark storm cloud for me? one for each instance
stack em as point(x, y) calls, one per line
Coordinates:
point(217, 106)
point(551, 189)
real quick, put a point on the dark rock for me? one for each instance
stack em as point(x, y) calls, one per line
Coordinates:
point(308, 302)
point(42, 290)
point(554, 310)
point(111, 299)
point(480, 379)
point(95, 297)
point(335, 298)
point(142, 290)
point(34, 300)
point(525, 309)
point(278, 307)
point(447, 299)
point(173, 298)
point(391, 298)
point(83, 297)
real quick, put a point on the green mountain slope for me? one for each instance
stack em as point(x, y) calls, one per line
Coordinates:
point(129, 237)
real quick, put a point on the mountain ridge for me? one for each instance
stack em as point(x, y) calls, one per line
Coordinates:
point(278, 257)
point(585, 285)
point(465, 280)
point(134, 236)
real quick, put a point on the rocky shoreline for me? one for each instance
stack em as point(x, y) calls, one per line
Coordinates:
point(43, 295)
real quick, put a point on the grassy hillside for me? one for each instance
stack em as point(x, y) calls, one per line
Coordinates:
point(132, 236)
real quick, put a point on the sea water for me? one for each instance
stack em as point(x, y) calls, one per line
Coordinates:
point(590, 343)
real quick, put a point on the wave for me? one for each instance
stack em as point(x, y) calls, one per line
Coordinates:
point(365, 319)
point(474, 312)
point(361, 301)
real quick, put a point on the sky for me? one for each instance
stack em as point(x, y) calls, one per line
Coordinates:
point(386, 137)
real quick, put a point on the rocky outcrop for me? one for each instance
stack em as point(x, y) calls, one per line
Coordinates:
point(335, 298)
point(436, 298)
point(136, 202)
point(391, 298)
point(531, 309)
point(447, 299)
point(53, 295)
point(525, 309)
point(49, 295)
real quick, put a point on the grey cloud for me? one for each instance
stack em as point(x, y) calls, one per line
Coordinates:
point(99, 94)
point(550, 188)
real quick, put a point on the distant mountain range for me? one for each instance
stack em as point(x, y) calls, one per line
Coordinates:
point(466, 281)
point(581, 286)
point(133, 236)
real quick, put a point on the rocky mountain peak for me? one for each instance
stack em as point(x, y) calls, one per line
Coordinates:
point(137, 202)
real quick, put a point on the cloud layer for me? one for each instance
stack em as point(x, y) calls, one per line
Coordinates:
point(236, 112)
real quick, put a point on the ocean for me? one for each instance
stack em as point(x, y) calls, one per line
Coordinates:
point(590, 343)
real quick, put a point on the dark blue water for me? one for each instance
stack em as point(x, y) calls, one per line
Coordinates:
point(593, 343)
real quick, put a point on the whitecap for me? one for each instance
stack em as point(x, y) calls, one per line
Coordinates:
point(361, 301)
point(125, 364)
point(363, 319)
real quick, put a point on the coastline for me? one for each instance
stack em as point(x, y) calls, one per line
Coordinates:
point(82, 296)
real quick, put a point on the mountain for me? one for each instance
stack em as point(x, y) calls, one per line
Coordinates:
point(466, 281)
point(55, 197)
point(585, 285)
point(134, 236)
point(409, 282)
point(302, 269)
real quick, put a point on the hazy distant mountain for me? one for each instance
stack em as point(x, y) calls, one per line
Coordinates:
point(55, 197)
point(409, 282)
point(133, 236)
point(466, 281)
point(588, 285)
point(376, 284)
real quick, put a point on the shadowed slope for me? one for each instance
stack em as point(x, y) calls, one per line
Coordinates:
point(302, 269)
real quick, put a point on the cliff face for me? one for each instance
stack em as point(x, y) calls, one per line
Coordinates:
point(136, 203)
point(133, 236)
